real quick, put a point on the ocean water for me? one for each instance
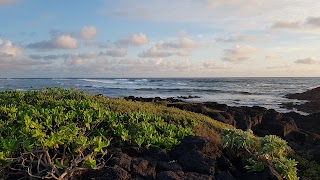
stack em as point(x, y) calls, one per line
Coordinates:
point(265, 92)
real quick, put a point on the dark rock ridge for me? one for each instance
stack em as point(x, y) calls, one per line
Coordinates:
point(195, 158)
point(313, 96)
point(301, 132)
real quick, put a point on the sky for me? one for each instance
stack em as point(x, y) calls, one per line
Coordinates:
point(159, 38)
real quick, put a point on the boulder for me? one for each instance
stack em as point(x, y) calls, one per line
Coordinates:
point(115, 172)
point(145, 168)
point(196, 154)
point(168, 175)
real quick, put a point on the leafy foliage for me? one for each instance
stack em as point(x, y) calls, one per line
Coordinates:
point(53, 133)
point(309, 168)
point(260, 152)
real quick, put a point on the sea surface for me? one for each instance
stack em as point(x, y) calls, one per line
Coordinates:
point(265, 92)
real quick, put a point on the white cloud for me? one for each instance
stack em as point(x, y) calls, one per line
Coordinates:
point(184, 53)
point(117, 52)
point(181, 46)
point(213, 65)
point(310, 23)
point(155, 52)
point(273, 57)
point(48, 57)
point(134, 40)
point(181, 43)
point(238, 38)
point(88, 32)
point(309, 61)
point(238, 54)
point(219, 14)
point(239, 4)
point(84, 55)
point(65, 42)
point(286, 25)
point(8, 49)
point(12, 60)
point(59, 42)
point(313, 22)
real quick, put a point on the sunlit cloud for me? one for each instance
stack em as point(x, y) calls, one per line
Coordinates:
point(309, 61)
point(88, 32)
point(133, 40)
point(117, 52)
point(238, 38)
point(59, 42)
point(273, 57)
point(183, 41)
point(213, 65)
point(311, 23)
point(155, 52)
point(239, 54)
point(8, 49)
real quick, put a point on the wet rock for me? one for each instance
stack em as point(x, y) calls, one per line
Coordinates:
point(188, 97)
point(313, 96)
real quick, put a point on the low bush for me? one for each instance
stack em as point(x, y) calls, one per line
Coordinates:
point(260, 152)
point(53, 133)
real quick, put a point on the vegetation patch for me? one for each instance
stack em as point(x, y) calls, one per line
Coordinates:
point(56, 133)
point(53, 133)
point(260, 152)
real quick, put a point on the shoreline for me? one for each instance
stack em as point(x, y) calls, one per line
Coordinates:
point(312, 97)
point(208, 158)
point(266, 92)
point(300, 130)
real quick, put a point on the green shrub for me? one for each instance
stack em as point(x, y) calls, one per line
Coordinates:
point(52, 133)
point(260, 152)
point(309, 168)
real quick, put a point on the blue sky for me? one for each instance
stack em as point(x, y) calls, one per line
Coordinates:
point(150, 38)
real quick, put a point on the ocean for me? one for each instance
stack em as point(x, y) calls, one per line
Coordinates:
point(265, 92)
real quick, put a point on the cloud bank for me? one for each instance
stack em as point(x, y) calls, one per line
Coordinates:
point(309, 61)
point(88, 32)
point(239, 54)
point(59, 42)
point(310, 23)
point(133, 40)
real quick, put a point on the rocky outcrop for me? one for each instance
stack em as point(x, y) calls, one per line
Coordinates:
point(195, 158)
point(302, 132)
point(258, 119)
point(313, 98)
point(311, 95)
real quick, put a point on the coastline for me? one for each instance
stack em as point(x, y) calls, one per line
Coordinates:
point(266, 92)
point(302, 131)
point(312, 97)
point(209, 159)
